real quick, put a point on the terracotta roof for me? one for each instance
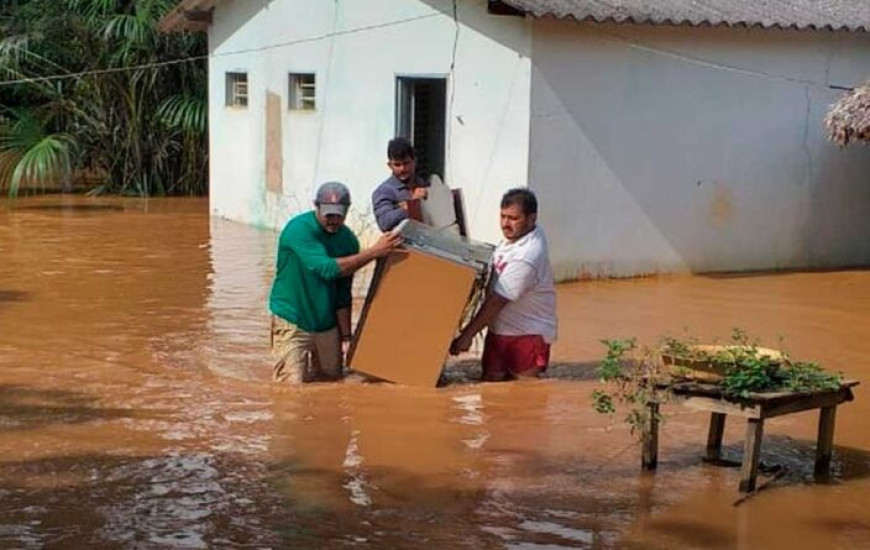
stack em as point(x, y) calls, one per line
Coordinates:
point(848, 15)
point(188, 15)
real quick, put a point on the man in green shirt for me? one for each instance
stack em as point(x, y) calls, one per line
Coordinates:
point(311, 294)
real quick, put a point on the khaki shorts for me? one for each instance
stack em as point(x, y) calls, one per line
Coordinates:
point(304, 356)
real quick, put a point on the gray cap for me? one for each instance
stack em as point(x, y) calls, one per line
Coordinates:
point(332, 197)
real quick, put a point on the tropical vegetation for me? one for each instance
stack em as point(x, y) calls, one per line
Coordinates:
point(94, 96)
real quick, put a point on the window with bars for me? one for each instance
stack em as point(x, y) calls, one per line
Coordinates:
point(237, 90)
point(303, 91)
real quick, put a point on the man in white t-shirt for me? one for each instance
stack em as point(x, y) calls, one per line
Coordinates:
point(520, 309)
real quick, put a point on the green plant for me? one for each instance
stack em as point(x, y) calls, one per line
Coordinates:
point(90, 79)
point(635, 377)
point(632, 377)
point(747, 370)
point(808, 377)
point(29, 156)
point(680, 348)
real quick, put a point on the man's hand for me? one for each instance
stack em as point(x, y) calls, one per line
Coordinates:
point(461, 343)
point(404, 205)
point(419, 193)
point(385, 244)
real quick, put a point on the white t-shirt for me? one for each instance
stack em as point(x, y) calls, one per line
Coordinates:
point(524, 276)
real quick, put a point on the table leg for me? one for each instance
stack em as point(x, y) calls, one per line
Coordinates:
point(650, 459)
point(714, 436)
point(825, 442)
point(751, 454)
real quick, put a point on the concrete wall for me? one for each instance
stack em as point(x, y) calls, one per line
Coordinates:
point(673, 148)
point(357, 48)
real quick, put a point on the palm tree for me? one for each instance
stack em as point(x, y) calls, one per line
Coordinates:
point(114, 108)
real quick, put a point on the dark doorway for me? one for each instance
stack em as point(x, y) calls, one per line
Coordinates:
point(421, 110)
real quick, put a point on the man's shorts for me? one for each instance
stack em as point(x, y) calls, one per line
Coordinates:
point(512, 356)
point(304, 356)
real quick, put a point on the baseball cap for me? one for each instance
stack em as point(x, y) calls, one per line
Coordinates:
point(332, 197)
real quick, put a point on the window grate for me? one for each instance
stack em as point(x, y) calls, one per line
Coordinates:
point(303, 92)
point(237, 90)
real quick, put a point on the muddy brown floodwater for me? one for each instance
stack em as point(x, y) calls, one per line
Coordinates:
point(136, 410)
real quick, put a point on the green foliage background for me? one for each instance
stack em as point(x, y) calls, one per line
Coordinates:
point(140, 131)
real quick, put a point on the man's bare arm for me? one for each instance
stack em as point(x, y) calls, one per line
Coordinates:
point(490, 309)
point(385, 244)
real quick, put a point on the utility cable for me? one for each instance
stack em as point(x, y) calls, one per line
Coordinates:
point(67, 76)
point(725, 67)
point(613, 36)
point(161, 64)
point(324, 91)
point(452, 84)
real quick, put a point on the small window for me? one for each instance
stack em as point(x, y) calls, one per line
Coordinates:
point(302, 91)
point(237, 89)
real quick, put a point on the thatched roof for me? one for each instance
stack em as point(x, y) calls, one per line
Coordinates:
point(849, 119)
point(847, 15)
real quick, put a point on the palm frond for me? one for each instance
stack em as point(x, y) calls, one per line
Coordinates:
point(46, 161)
point(92, 9)
point(30, 157)
point(14, 47)
point(187, 113)
point(129, 29)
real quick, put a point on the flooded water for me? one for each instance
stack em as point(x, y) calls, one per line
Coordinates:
point(136, 410)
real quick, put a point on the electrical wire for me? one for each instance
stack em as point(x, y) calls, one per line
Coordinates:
point(191, 59)
point(719, 66)
point(452, 83)
point(31, 80)
point(613, 36)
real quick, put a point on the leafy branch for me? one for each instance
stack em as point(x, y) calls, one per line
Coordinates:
point(634, 377)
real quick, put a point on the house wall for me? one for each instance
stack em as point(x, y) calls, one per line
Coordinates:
point(357, 49)
point(673, 148)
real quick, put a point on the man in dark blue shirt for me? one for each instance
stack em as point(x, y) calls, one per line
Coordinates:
point(390, 199)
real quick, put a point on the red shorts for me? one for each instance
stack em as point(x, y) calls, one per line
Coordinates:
point(514, 355)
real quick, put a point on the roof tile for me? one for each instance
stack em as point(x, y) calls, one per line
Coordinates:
point(847, 15)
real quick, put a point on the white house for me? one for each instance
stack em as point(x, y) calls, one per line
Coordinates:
point(659, 135)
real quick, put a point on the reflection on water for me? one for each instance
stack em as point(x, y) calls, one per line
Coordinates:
point(136, 410)
point(241, 266)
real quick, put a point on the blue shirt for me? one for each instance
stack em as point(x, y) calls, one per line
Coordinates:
point(386, 199)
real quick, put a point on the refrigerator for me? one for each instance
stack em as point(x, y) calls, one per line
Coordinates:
point(418, 298)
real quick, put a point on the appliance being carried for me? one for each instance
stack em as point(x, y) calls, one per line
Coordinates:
point(417, 301)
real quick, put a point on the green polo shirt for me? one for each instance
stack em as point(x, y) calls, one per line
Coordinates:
point(308, 290)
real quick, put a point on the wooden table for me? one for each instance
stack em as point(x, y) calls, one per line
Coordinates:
point(756, 409)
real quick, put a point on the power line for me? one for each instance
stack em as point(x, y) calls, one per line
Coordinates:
point(332, 34)
point(631, 44)
point(192, 59)
point(719, 66)
point(31, 80)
